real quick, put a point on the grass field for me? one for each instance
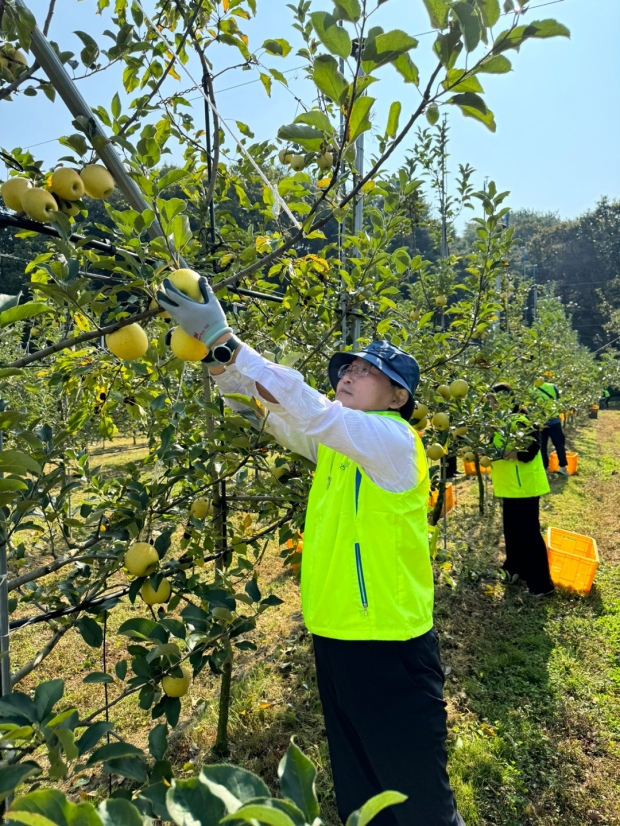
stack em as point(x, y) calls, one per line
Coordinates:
point(533, 687)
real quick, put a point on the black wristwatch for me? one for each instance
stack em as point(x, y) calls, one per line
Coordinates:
point(222, 354)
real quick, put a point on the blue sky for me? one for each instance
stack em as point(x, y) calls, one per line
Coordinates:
point(558, 113)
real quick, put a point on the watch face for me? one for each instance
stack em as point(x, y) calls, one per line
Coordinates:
point(221, 353)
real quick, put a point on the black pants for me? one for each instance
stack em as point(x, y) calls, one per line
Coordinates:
point(386, 727)
point(526, 552)
point(556, 434)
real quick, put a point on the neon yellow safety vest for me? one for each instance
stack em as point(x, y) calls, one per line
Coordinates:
point(518, 480)
point(366, 572)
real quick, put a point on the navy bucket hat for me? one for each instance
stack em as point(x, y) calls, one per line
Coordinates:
point(394, 362)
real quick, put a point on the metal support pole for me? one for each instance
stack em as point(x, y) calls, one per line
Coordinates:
point(75, 103)
point(5, 662)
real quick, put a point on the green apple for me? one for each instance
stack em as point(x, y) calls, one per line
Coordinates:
point(98, 183)
point(67, 184)
point(39, 204)
point(12, 192)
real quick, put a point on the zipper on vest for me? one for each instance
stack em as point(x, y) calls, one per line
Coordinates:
point(360, 578)
point(518, 477)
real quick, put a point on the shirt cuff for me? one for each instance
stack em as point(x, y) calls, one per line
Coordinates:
point(251, 366)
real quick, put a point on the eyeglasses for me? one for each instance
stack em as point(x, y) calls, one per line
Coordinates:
point(354, 370)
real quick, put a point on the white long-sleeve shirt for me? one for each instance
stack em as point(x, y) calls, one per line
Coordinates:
point(304, 418)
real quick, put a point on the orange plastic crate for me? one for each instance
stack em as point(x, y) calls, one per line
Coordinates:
point(554, 465)
point(573, 559)
point(470, 468)
point(573, 462)
point(449, 501)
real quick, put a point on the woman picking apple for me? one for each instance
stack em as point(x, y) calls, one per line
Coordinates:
point(366, 579)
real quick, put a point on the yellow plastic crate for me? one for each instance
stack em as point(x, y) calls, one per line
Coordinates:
point(573, 559)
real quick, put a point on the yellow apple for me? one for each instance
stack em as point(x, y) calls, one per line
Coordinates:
point(441, 301)
point(39, 204)
point(98, 183)
point(67, 184)
point(325, 160)
point(444, 391)
point(298, 162)
point(441, 421)
point(177, 686)
point(186, 281)
point(459, 388)
point(469, 457)
point(414, 315)
point(156, 597)
point(142, 559)
point(67, 208)
point(285, 155)
point(460, 431)
point(128, 343)
point(12, 191)
point(435, 451)
point(185, 347)
point(420, 410)
point(200, 507)
point(539, 382)
point(485, 461)
point(421, 424)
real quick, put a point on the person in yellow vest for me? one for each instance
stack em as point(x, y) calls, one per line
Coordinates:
point(366, 576)
point(553, 430)
point(519, 480)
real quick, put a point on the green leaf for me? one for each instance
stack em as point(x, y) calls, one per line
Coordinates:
point(266, 81)
point(278, 47)
point(119, 812)
point(472, 106)
point(264, 814)
point(496, 65)
point(489, 10)
point(328, 78)
point(372, 807)
point(225, 780)
point(448, 47)
point(91, 631)
point(138, 628)
point(386, 47)
point(190, 803)
point(405, 67)
point(181, 231)
point(132, 767)
point(115, 106)
point(432, 114)
point(454, 83)
point(113, 751)
point(12, 484)
point(514, 38)
point(22, 311)
point(18, 463)
point(158, 741)
point(171, 177)
point(348, 10)
point(46, 696)
point(438, 12)
point(12, 776)
point(297, 778)
point(469, 24)
point(31, 819)
point(317, 119)
point(92, 735)
point(98, 677)
point(306, 136)
point(67, 739)
point(359, 121)
point(253, 591)
point(335, 38)
point(393, 118)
